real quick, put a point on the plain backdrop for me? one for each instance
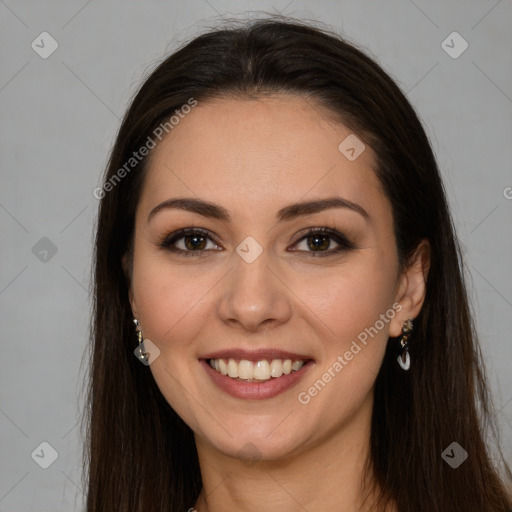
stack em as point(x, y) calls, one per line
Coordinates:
point(60, 115)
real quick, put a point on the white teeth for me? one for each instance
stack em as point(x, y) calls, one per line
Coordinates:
point(245, 370)
point(276, 368)
point(297, 365)
point(223, 366)
point(232, 369)
point(260, 370)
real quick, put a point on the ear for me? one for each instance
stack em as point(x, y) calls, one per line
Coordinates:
point(127, 270)
point(411, 288)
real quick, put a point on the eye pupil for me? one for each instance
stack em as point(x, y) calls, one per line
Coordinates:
point(197, 242)
point(315, 242)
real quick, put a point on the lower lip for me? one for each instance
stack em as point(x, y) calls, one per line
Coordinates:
point(255, 390)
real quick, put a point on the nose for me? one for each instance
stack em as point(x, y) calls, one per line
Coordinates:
point(253, 296)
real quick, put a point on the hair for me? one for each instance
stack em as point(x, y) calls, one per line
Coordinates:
point(139, 453)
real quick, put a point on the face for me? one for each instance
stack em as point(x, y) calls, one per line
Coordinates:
point(258, 281)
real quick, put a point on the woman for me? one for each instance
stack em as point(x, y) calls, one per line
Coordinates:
point(274, 245)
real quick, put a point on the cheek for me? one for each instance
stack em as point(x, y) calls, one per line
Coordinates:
point(170, 299)
point(355, 304)
point(356, 308)
point(173, 307)
point(350, 299)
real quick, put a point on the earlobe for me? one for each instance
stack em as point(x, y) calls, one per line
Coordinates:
point(412, 288)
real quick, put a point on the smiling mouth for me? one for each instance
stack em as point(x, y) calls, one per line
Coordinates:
point(262, 370)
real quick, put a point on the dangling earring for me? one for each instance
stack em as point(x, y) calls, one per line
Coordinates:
point(404, 359)
point(140, 352)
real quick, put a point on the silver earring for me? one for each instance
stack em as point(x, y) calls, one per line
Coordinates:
point(140, 352)
point(404, 359)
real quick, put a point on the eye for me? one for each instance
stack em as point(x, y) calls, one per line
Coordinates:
point(189, 242)
point(195, 242)
point(318, 242)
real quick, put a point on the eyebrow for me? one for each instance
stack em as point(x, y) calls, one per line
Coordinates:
point(214, 211)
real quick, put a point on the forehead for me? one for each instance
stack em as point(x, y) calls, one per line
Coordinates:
point(259, 154)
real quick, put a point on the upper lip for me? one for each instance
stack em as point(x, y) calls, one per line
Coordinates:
point(255, 355)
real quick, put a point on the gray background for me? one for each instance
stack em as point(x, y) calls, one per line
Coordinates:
point(59, 118)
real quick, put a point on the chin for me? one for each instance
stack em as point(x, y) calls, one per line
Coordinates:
point(257, 443)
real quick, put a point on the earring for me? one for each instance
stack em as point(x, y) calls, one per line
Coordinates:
point(140, 352)
point(404, 359)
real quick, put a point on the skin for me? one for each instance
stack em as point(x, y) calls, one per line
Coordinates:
point(260, 156)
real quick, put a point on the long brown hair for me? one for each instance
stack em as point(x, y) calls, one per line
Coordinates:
point(140, 455)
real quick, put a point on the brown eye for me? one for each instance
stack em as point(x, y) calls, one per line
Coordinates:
point(189, 242)
point(195, 242)
point(319, 241)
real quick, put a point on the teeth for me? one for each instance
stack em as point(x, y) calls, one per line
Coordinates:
point(297, 365)
point(276, 368)
point(245, 370)
point(223, 366)
point(259, 370)
point(233, 369)
point(262, 370)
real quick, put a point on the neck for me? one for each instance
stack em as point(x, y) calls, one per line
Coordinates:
point(328, 475)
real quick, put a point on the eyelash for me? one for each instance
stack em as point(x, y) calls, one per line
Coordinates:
point(343, 242)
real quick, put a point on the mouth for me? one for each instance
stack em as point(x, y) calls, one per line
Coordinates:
point(255, 371)
point(255, 375)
